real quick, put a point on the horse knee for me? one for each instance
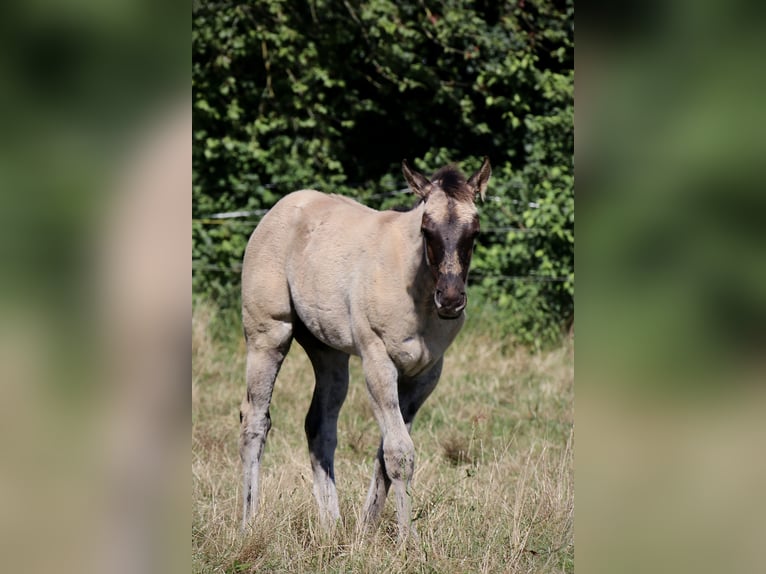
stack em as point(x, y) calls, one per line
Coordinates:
point(254, 430)
point(399, 457)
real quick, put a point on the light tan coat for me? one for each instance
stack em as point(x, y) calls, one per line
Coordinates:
point(343, 279)
point(351, 288)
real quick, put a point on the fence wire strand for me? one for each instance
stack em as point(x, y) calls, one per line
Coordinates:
point(199, 266)
point(233, 218)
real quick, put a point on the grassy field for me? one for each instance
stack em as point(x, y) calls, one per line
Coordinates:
point(493, 488)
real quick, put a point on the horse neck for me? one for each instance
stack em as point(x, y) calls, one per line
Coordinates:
point(418, 274)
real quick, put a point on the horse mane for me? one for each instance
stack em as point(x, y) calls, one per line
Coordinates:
point(453, 183)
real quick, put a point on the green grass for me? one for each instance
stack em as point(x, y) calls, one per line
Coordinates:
point(493, 486)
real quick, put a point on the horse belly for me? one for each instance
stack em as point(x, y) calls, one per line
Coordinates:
point(326, 316)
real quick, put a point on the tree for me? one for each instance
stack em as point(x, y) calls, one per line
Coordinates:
point(333, 95)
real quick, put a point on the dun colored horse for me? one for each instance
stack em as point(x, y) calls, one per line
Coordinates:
point(344, 279)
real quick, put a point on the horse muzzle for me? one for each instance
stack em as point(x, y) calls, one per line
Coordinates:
point(450, 302)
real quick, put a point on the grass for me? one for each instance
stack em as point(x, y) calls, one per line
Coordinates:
point(493, 487)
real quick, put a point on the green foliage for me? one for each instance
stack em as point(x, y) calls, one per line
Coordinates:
point(333, 95)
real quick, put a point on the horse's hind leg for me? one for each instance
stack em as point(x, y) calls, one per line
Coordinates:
point(331, 372)
point(267, 345)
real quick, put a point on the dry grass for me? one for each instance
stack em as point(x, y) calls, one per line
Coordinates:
point(493, 487)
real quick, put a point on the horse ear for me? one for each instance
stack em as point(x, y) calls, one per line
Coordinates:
point(478, 181)
point(417, 182)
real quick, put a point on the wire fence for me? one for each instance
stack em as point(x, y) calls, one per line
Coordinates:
point(251, 223)
point(226, 215)
point(234, 218)
point(198, 265)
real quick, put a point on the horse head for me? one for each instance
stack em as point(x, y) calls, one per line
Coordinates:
point(449, 227)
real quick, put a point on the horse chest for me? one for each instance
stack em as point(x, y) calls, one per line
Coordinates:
point(417, 353)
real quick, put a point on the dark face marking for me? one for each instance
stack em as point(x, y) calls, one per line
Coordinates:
point(449, 228)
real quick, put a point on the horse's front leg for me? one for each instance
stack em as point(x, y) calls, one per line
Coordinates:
point(412, 393)
point(395, 462)
point(376, 496)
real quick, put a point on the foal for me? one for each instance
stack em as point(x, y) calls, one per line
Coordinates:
point(344, 279)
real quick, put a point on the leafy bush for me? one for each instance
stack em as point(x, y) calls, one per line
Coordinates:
point(332, 96)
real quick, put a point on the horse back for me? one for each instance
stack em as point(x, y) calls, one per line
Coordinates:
point(304, 258)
